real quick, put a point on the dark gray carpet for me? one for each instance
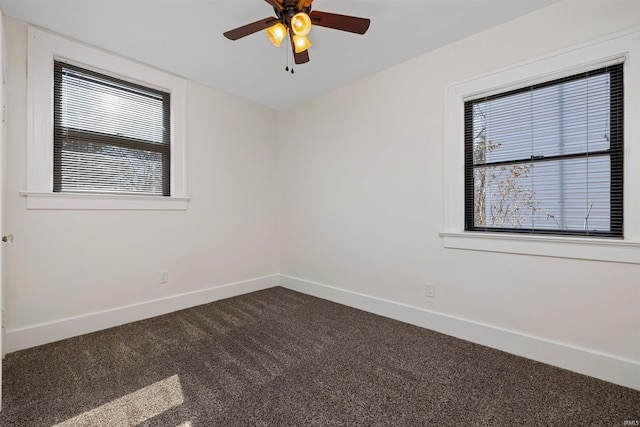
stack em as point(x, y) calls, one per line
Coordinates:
point(280, 358)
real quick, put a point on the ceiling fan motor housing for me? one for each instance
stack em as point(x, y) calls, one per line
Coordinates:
point(288, 10)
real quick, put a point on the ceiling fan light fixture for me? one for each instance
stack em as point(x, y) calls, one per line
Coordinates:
point(301, 43)
point(301, 24)
point(277, 33)
point(293, 21)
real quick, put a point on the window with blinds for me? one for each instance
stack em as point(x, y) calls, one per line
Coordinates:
point(548, 158)
point(110, 136)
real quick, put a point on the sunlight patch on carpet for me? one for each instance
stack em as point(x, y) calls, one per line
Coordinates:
point(134, 408)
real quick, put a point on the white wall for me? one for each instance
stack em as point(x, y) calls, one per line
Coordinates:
point(361, 199)
point(73, 264)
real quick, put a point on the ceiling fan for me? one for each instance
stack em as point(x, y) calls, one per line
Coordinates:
point(294, 18)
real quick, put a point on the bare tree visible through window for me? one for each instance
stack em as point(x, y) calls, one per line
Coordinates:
point(501, 198)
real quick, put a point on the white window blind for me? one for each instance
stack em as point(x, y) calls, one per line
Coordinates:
point(110, 135)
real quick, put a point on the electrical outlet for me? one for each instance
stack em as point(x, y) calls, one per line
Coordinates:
point(431, 290)
point(164, 277)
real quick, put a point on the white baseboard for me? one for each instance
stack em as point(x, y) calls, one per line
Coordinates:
point(607, 367)
point(31, 336)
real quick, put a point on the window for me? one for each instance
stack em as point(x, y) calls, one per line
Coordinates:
point(547, 158)
point(110, 136)
point(563, 200)
point(104, 132)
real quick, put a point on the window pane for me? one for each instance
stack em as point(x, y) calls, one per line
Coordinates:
point(91, 167)
point(559, 195)
point(566, 118)
point(93, 104)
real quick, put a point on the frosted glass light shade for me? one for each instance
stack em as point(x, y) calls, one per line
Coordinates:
point(277, 33)
point(301, 24)
point(301, 43)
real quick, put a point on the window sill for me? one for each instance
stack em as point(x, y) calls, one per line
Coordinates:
point(606, 250)
point(73, 201)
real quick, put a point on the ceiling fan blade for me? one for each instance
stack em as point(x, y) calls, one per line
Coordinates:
point(275, 3)
point(248, 29)
point(301, 58)
point(298, 58)
point(351, 24)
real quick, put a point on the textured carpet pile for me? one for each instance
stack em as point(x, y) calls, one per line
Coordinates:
point(280, 358)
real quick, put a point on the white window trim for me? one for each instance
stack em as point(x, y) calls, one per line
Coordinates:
point(43, 48)
point(614, 48)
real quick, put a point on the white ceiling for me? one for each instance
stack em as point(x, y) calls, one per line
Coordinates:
point(185, 38)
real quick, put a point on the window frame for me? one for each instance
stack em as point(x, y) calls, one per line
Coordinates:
point(620, 47)
point(614, 153)
point(43, 49)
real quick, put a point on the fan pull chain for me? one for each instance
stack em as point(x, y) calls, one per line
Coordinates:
point(291, 61)
point(286, 68)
